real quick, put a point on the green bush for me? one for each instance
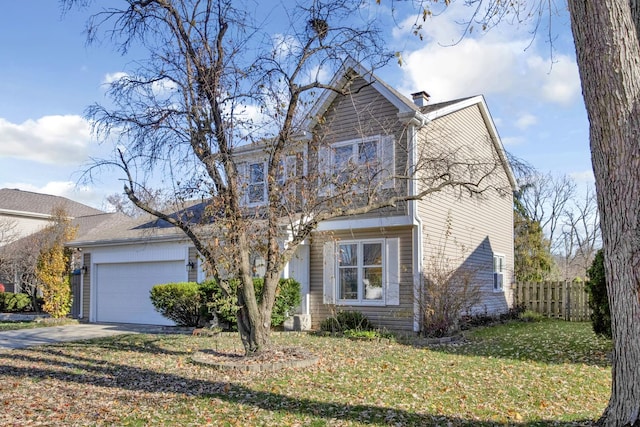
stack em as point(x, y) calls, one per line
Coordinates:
point(13, 303)
point(346, 320)
point(531, 316)
point(225, 308)
point(598, 299)
point(183, 302)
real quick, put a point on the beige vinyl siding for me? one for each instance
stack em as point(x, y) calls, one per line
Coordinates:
point(86, 286)
point(479, 226)
point(362, 113)
point(393, 317)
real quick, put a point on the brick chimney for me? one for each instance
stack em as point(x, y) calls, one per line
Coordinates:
point(420, 98)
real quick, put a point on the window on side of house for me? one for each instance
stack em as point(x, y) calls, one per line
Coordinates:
point(498, 272)
point(360, 275)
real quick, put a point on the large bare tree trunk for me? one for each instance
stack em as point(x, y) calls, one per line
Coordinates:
point(608, 56)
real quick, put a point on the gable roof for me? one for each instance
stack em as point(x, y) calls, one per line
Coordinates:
point(26, 202)
point(408, 111)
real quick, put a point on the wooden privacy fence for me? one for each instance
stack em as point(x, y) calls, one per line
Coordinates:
point(562, 300)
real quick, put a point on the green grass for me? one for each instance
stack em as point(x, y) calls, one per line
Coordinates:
point(529, 374)
point(10, 326)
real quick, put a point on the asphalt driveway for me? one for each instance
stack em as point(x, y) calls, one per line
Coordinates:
point(22, 338)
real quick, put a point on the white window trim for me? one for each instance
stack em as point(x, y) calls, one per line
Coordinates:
point(265, 165)
point(361, 301)
point(501, 273)
point(386, 161)
point(250, 183)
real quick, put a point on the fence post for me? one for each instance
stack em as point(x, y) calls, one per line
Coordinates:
point(567, 286)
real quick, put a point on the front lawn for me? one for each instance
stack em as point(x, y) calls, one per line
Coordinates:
point(10, 326)
point(548, 373)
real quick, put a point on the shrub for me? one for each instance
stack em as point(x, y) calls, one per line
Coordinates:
point(531, 316)
point(225, 308)
point(13, 303)
point(598, 299)
point(1, 288)
point(181, 302)
point(346, 320)
point(287, 298)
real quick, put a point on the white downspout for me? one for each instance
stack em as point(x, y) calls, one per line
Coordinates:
point(417, 230)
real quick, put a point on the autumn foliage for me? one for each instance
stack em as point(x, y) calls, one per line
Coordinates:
point(54, 264)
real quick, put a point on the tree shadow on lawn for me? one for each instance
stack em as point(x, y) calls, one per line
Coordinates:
point(533, 343)
point(51, 364)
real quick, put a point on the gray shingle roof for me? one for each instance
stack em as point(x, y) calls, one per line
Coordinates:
point(117, 227)
point(26, 201)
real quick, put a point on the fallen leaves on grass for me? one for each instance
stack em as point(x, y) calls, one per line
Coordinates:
point(150, 380)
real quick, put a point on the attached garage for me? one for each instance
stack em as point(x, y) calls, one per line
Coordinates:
point(122, 290)
point(120, 265)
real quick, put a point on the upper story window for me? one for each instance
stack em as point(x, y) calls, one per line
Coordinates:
point(257, 189)
point(498, 272)
point(363, 162)
point(254, 177)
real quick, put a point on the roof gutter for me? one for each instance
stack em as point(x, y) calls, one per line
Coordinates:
point(119, 242)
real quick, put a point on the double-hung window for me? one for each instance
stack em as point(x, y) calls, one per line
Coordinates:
point(257, 185)
point(356, 159)
point(360, 271)
point(498, 272)
point(254, 179)
point(360, 163)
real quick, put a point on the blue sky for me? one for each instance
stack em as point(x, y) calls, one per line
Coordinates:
point(48, 76)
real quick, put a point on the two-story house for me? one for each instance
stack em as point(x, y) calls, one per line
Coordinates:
point(377, 262)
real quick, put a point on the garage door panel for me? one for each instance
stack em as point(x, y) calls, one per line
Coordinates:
point(122, 290)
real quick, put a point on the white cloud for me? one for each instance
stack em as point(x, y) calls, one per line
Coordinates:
point(512, 140)
point(61, 140)
point(113, 77)
point(83, 194)
point(526, 120)
point(583, 177)
point(500, 62)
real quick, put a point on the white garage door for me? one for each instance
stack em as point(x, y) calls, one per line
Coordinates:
point(122, 290)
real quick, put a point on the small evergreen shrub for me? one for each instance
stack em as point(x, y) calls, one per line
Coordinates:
point(346, 320)
point(598, 299)
point(181, 302)
point(225, 308)
point(287, 298)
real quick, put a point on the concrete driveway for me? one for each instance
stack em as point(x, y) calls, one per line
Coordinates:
point(22, 338)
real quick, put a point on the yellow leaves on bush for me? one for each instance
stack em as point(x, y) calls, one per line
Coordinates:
point(54, 264)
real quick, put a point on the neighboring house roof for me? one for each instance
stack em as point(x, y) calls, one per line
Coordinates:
point(19, 202)
point(84, 225)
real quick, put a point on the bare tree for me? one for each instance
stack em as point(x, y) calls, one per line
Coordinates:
point(217, 87)
point(580, 235)
point(118, 202)
point(8, 231)
point(545, 198)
